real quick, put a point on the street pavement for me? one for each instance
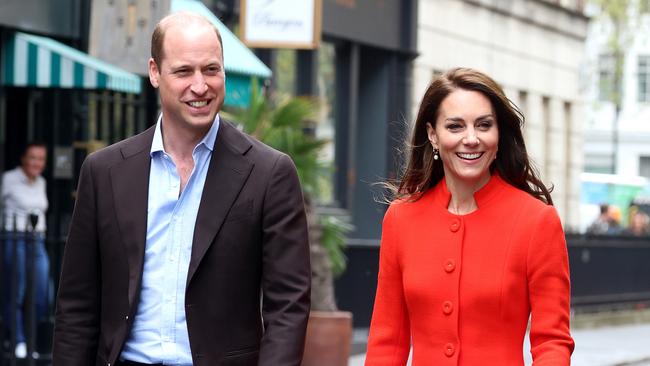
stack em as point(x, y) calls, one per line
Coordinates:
point(619, 345)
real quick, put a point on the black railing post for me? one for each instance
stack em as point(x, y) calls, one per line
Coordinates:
point(30, 315)
point(3, 285)
point(13, 290)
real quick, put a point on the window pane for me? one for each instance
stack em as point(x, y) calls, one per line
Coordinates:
point(643, 75)
point(606, 77)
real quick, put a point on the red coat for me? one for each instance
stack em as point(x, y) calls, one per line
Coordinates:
point(461, 288)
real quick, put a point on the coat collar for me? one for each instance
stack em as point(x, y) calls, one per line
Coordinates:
point(228, 171)
point(441, 196)
point(130, 183)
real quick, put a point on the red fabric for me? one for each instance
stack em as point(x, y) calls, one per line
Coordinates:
point(461, 288)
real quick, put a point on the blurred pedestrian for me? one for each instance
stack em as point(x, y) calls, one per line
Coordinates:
point(615, 216)
point(24, 199)
point(188, 243)
point(639, 224)
point(471, 247)
point(602, 223)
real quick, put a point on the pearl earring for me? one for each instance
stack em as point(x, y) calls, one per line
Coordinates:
point(435, 154)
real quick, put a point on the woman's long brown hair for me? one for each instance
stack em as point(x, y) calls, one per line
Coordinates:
point(512, 162)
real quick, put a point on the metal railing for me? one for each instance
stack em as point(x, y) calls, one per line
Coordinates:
point(608, 272)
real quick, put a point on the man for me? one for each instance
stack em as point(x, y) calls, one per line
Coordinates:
point(188, 244)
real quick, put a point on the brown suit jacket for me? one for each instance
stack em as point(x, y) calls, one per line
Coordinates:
point(247, 291)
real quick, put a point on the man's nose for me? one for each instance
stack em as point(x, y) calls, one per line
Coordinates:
point(199, 86)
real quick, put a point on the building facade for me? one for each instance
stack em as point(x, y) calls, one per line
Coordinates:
point(616, 142)
point(534, 49)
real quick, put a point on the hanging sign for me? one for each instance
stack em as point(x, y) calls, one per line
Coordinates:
point(281, 23)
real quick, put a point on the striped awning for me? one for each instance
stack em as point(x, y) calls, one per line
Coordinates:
point(35, 61)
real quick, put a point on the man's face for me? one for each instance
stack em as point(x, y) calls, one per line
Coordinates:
point(33, 162)
point(190, 77)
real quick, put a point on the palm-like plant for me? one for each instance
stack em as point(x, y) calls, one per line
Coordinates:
point(283, 124)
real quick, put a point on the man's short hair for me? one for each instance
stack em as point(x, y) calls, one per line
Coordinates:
point(158, 36)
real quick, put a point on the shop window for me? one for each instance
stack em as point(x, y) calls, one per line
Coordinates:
point(644, 166)
point(643, 77)
point(606, 70)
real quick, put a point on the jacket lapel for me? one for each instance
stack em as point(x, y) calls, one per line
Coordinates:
point(228, 171)
point(130, 183)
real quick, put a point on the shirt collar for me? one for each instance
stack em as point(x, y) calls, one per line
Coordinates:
point(208, 140)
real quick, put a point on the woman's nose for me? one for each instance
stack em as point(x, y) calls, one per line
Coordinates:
point(471, 138)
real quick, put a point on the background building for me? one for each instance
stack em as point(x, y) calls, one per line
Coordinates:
point(534, 49)
point(604, 132)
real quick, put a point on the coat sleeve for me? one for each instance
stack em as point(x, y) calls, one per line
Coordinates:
point(549, 292)
point(390, 333)
point(286, 272)
point(76, 326)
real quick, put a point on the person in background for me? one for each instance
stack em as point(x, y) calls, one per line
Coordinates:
point(24, 195)
point(471, 246)
point(602, 223)
point(639, 224)
point(615, 216)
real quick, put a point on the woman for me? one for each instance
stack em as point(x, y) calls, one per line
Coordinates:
point(25, 202)
point(471, 247)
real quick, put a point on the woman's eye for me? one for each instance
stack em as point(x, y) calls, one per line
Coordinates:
point(454, 126)
point(485, 125)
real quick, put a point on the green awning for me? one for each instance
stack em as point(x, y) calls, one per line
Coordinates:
point(35, 61)
point(240, 62)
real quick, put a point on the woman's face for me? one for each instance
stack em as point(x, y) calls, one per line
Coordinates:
point(466, 135)
point(33, 162)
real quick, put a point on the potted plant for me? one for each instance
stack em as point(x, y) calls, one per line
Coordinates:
point(283, 124)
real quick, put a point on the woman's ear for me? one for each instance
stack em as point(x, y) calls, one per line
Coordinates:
point(431, 134)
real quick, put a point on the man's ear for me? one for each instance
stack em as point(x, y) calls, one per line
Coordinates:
point(154, 73)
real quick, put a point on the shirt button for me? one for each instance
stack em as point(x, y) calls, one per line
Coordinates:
point(447, 307)
point(455, 225)
point(126, 318)
point(450, 265)
point(449, 350)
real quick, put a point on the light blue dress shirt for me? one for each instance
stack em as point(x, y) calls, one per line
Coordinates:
point(159, 333)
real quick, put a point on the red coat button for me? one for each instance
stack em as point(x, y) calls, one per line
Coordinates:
point(450, 265)
point(449, 349)
point(455, 225)
point(447, 307)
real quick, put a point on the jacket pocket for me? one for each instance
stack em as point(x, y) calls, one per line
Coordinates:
point(242, 351)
